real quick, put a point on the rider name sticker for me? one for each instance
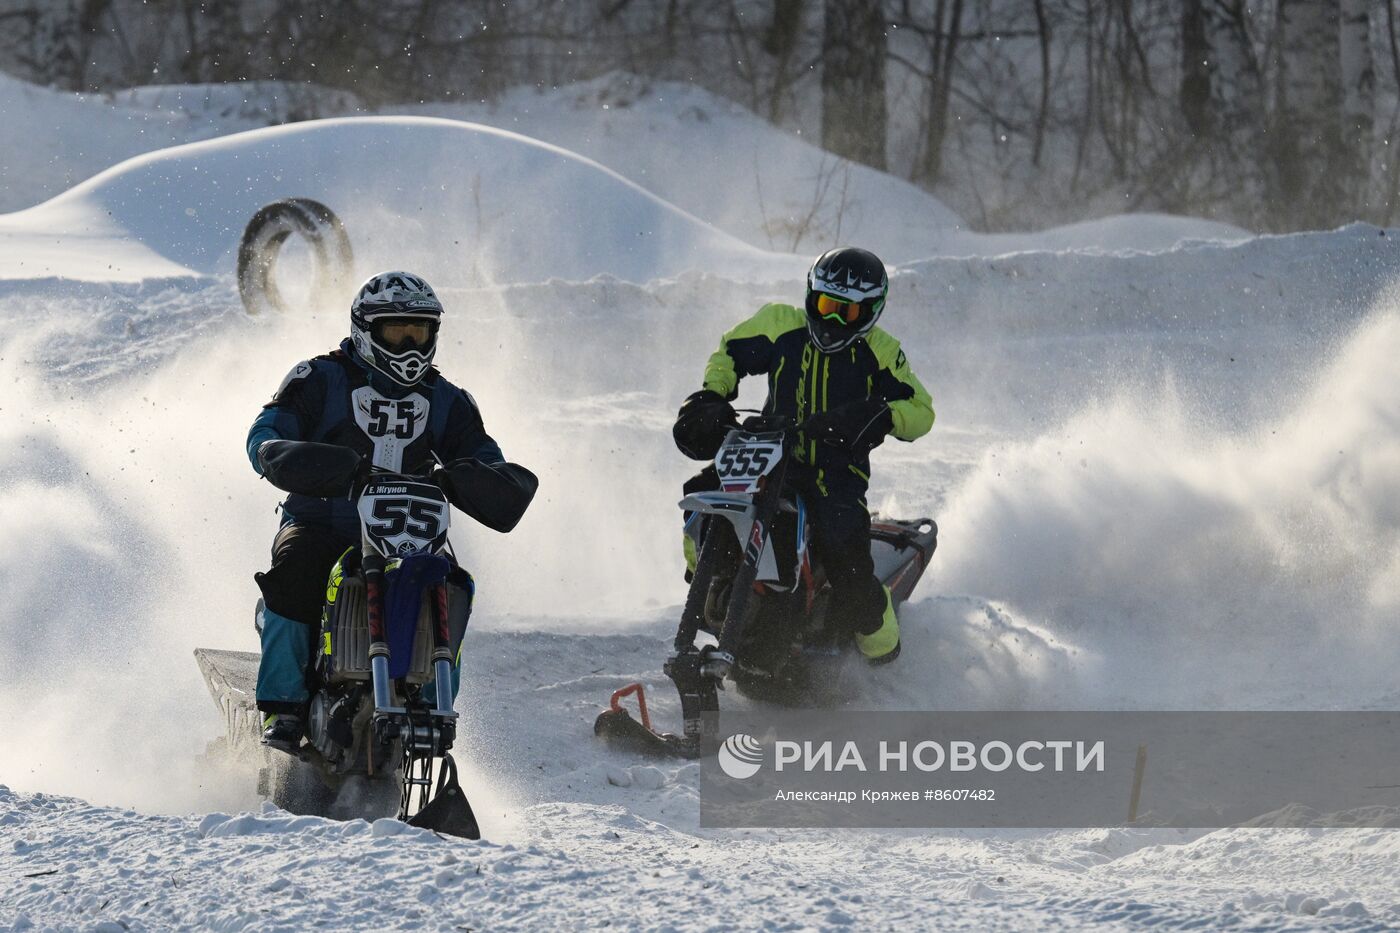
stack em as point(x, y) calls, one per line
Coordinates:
point(1050, 769)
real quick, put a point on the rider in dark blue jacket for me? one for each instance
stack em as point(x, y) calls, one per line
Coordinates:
point(375, 402)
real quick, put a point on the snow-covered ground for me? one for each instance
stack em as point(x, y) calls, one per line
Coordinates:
point(1165, 468)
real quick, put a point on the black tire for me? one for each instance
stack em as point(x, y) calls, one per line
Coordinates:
point(708, 563)
point(264, 238)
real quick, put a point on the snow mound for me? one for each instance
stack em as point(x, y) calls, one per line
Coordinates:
point(586, 865)
point(53, 140)
point(773, 188)
point(461, 204)
point(709, 156)
point(725, 164)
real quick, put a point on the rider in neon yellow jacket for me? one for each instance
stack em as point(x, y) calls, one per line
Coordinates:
point(848, 382)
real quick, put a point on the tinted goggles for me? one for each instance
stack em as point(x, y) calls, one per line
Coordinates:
point(836, 309)
point(396, 334)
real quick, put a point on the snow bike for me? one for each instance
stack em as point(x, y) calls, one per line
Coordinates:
point(758, 591)
point(396, 611)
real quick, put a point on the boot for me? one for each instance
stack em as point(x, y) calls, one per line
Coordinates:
point(881, 646)
point(282, 731)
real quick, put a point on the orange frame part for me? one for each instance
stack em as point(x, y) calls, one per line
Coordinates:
point(616, 702)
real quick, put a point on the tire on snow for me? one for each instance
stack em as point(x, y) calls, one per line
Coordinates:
point(264, 238)
point(295, 786)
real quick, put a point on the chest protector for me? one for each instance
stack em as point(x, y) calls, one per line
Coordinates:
point(391, 429)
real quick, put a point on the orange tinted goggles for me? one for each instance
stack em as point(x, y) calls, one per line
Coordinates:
point(848, 312)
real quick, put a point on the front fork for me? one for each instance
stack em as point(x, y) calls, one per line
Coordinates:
point(422, 732)
point(699, 673)
point(719, 660)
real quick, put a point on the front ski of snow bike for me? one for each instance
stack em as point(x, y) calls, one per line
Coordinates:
point(699, 696)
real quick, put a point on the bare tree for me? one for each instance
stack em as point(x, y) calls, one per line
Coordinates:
point(1222, 106)
point(1195, 69)
point(1017, 112)
point(943, 50)
point(781, 40)
point(1305, 144)
point(853, 80)
point(1358, 77)
point(1042, 28)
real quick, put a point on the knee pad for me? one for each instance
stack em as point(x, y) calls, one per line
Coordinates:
point(293, 593)
point(295, 587)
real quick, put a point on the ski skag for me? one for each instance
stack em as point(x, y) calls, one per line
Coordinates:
point(756, 589)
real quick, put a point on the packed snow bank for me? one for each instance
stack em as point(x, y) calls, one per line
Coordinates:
point(55, 139)
point(477, 205)
point(723, 163)
point(774, 189)
point(1028, 337)
point(709, 156)
point(598, 864)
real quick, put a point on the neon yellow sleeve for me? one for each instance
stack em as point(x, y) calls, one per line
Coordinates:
point(747, 349)
point(912, 414)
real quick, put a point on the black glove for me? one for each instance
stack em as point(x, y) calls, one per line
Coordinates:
point(495, 494)
point(857, 427)
point(311, 469)
point(702, 423)
point(361, 479)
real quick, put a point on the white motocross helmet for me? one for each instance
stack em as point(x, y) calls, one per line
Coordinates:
point(394, 323)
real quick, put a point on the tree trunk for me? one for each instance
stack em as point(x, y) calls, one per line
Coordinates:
point(853, 80)
point(780, 41)
point(944, 49)
point(1042, 113)
point(1194, 94)
point(1231, 124)
point(1306, 147)
point(1358, 75)
point(1086, 127)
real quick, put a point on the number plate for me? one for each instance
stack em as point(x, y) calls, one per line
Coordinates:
point(742, 463)
point(401, 517)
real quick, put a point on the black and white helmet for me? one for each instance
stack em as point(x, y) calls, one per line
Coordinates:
point(846, 291)
point(394, 323)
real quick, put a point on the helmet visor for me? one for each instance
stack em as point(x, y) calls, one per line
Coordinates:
point(401, 333)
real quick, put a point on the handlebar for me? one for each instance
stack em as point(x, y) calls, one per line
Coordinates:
point(786, 423)
point(791, 428)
